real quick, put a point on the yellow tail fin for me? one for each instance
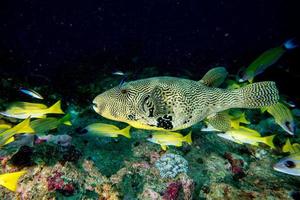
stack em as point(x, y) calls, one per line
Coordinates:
point(126, 132)
point(24, 127)
point(287, 147)
point(9, 140)
point(10, 180)
point(68, 123)
point(188, 138)
point(56, 108)
point(66, 120)
point(269, 141)
point(243, 119)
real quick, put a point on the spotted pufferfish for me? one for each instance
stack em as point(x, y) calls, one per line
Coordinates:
point(170, 103)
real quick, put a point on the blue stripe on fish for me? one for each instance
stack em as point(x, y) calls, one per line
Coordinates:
point(31, 93)
point(290, 44)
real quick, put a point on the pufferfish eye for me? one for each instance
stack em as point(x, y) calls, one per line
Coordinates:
point(289, 164)
point(124, 91)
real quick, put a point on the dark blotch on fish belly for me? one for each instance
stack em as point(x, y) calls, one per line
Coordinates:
point(165, 122)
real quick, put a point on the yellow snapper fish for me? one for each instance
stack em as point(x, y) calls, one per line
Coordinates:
point(291, 148)
point(283, 117)
point(247, 136)
point(265, 60)
point(107, 130)
point(170, 103)
point(23, 110)
point(22, 127)
point(289, 165)
point(50, 123)
point(10, 180)
point(165, 139)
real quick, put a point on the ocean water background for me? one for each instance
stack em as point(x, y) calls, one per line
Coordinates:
point(64, 41)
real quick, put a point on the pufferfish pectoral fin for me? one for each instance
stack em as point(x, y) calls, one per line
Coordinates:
point(220, 121)
point(158, 98)
point(214, 77)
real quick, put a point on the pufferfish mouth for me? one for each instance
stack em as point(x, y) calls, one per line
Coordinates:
point(95, 107)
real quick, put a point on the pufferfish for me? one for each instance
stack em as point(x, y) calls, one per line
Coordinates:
point(170, 103)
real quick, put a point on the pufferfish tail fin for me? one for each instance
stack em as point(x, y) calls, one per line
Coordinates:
point(257, 95)
point(214, 77)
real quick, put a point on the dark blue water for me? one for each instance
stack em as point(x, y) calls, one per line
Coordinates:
point(42, 36)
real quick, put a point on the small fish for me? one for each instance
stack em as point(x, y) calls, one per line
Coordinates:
point(214, 77)
point(31, 93)
point(10, 180)
point(23, 110)
point(265, 60)
point(22, 127)
point(247, 136)
point(119, 73)
point(283, 117)
point(107, 130)
point(291, 148)
point(50, 123)
point(165, 139)
point(289, 165)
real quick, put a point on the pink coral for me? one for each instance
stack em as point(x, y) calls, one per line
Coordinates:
point(57, 183)
point(143, 165)
point(236, 166)
point(187, 186)
point(172, 191)
point(3, 161)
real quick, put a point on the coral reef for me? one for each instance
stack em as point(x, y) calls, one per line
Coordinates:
point(169, 165)
point(88, 167)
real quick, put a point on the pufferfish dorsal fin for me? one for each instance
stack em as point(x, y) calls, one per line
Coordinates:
point(214, 77)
